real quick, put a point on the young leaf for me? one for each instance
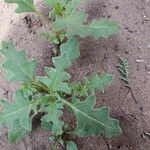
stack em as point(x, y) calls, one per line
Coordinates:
point(20, 110)
point(103, 28)
point(79, 89)
point(73, 24)
point(57, 76)
point(47, 126)
point(71, 48)
point(27, 90)
point(71, 145)
point(19, 69)
point(50, 37)
point(123, 69)
point(53, 38)
point(99, 82)
point(71, 5)
point(61, 62)
point(23, 5)
point(93, 121)
point(17, 132)
point(52, 2)
point(54, 112)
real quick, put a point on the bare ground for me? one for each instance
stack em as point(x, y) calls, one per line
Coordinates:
point(132, 43)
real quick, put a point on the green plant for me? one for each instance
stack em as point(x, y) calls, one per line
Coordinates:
point(52, 93)
point(123, 70)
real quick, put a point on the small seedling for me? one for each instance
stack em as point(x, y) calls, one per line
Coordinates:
point(123, 70)
point(51, 94)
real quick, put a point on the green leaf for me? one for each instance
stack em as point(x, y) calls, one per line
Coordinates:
point(123, 70)
point(61, 62)
point(72, 5)
point(103, 28)
point(71, 145)
point(54, 81)
point(52, 2)
point(56, 76)
point(93, 121)
point(53, 38)
point(19, 68)
point(23, 5)
point(17, 132)
point(50, 37)
point(54, 112)
point(20, 110)
point(73, 24)
point(27, 90)
point(79, 89)
point(71, 48)
point(82, 89)
point(99, 82)
point(46, 125)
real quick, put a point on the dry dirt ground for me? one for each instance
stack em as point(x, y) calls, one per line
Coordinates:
point(132, 43)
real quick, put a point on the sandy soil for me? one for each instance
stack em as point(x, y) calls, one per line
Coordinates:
point(132, 43)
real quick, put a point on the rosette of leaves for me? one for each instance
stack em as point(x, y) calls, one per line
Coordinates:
point(50, 94)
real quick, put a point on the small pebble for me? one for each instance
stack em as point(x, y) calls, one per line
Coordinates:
point(110, 146)
point(139, 57)
point(127, 52)
point(117, 7)
point(147, 67)
point(148, 46)
point(140, 60)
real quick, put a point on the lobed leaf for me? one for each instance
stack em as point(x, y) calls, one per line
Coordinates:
point(53, 38)
point(52, 2)
point(61, 62)
point(47, 126)
point(99, 82)
point(54, 112)
point(17, 116)
point(56, 77)
point(18, 110)
point(93, 121)
point(71, 48)
point(103, 28)
point(71, 145)
point(72, 5)
point(16, 132)
point(123, 70)
point(73, 24)
point(79, 89)
point(23, 5)
point(17, 66)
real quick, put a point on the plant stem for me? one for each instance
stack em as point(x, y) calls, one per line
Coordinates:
point(67, 103)
point(40, 86)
